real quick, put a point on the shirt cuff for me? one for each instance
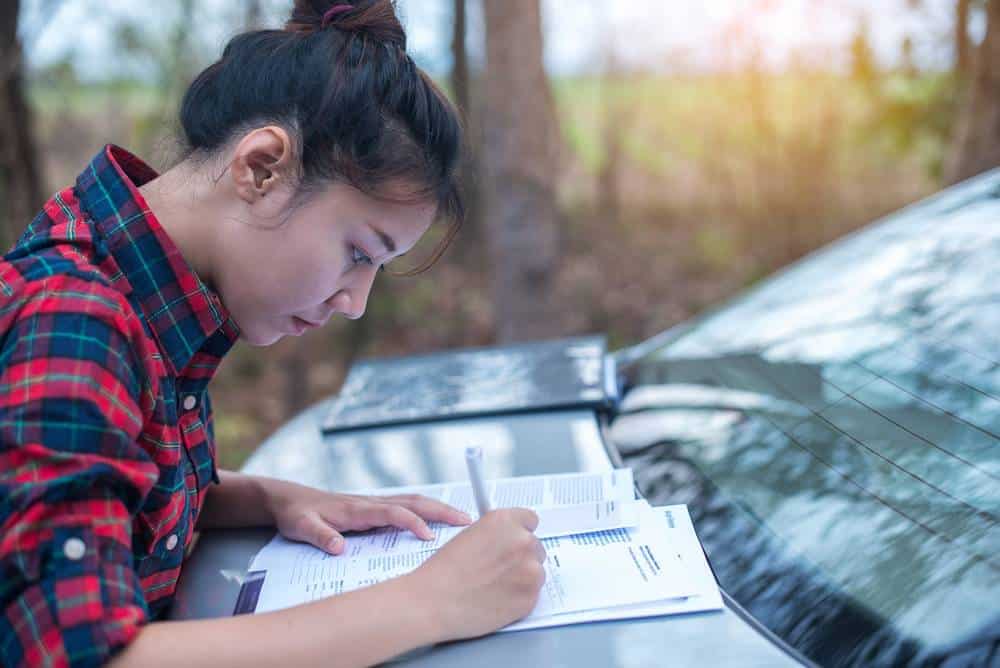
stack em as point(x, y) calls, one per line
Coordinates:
point(78, 604)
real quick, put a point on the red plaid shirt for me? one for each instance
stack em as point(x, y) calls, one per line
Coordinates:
point(107, 341)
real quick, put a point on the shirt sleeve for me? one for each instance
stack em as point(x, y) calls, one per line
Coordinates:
point(72, 475)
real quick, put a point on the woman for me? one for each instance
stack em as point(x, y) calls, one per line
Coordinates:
point(315, 155)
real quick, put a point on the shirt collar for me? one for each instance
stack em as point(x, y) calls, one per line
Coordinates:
point(186, 317)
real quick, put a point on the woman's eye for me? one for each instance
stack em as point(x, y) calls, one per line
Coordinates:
point(358, 256)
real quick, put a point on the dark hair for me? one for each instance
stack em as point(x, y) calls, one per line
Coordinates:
point(359, 108)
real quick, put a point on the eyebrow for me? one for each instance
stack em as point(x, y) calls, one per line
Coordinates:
point(384, 238)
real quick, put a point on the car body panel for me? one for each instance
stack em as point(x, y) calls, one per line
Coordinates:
point(835, 432)
point(526, 444)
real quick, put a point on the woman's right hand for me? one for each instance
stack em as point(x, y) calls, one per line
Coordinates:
point(486, 577)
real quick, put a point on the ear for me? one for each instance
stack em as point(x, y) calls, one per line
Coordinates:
point(261, 161)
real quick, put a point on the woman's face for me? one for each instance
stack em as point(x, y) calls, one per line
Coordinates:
point(279, 277)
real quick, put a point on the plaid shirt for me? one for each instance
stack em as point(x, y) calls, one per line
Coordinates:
point(107, 341)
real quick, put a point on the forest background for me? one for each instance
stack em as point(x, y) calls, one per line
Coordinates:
point(632, 163)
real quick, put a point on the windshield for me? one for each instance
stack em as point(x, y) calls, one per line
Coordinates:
point(836, 432)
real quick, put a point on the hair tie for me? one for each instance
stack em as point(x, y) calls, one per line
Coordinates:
point(331, 13)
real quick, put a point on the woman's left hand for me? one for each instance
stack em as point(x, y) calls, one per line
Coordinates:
point(317, 517)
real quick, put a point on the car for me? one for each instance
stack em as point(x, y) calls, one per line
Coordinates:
point(834, 431)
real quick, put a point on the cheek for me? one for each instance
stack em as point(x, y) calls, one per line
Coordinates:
point(256, 301)
point(312, 275)
point(296, 288)
point(293, 278)
point(285, 272)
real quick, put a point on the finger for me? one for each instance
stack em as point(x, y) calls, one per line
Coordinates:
point(323, 536)
point(525, 517)
point(379, 514)
point(431, 510)
point(540, 552)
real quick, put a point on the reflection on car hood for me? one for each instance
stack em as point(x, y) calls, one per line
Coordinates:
point(836, 433)
point(686, 395)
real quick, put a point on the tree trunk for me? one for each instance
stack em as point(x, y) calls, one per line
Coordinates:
point(459, 58)
point(20, 175)
point(977, 145)
point(468, 246)
point(963, 52)
point(519, 165)
point(608, 185)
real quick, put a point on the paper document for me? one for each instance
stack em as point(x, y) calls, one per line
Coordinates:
point(680, 532)
point(608, 556)
point(562, 489)
point(553, 521)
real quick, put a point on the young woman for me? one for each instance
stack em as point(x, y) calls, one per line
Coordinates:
point(316, 154)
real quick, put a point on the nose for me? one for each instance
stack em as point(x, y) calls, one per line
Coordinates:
point(352, 300)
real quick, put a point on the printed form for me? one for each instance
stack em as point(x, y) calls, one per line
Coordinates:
point(649, 560)
point(538, 491)
point(676, 522)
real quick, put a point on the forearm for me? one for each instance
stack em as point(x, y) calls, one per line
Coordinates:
point(358, 628)
point(239, 500)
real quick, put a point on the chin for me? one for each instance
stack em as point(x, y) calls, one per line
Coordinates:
point(261, 339)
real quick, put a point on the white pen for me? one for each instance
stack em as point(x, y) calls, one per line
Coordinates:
point(474, 460)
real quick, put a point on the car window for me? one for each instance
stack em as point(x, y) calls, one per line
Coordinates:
point(836, 432)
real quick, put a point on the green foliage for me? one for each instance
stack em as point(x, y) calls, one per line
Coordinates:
point(864, 69)
point(234, 433)
point(915, 116)
point(715, 247)
point(722, 178)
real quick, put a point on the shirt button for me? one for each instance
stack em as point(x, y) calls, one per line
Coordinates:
point(190, 401)
point(172, 541)
point(74, 549)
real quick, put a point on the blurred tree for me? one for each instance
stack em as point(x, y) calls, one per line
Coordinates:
point(519, 163)
point(618, 117)
point(908, 63)
point(20, 173)
point(963, 52)
point(977, 140)
point(171, 54)
point(459, 57)
point(469, 244)
point(180, 59)
point(864, 69)
point(609, 175)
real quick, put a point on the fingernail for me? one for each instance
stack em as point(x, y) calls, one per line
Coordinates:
point(333, 544)
point(466, 518)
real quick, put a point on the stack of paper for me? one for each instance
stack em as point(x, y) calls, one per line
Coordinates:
point(609, 556)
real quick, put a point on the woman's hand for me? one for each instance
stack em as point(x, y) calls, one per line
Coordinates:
point(486, 577)
point(317, 517)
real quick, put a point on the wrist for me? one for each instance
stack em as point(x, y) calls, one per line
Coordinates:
point(251, 497)
point(269, 491)
point(427, 616)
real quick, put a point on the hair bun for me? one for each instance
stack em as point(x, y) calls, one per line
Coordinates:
point(373, 19)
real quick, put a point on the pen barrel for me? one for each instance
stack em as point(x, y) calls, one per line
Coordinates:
point(474, 461)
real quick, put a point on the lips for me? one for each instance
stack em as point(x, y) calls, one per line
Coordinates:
point(300, 325)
